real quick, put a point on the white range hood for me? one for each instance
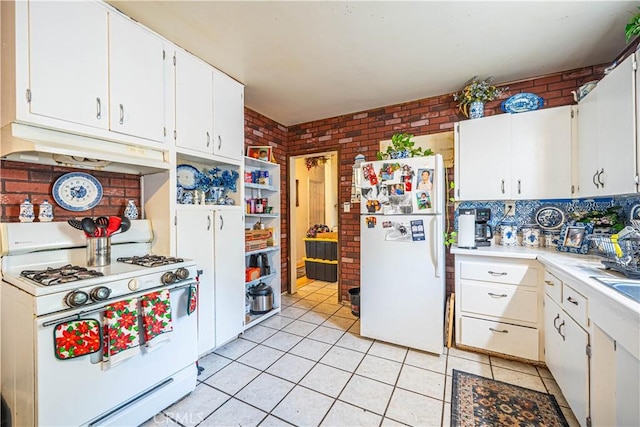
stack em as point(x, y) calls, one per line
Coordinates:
point(25, 143)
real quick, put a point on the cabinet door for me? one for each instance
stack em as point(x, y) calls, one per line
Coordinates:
point(574, 381)
point(194, 103)
point(229, 274)
point(616, 124)
point(483, 167)
point(194, 240)
point(541, 154)
point(588, 161)
point(228, 116)
point(68, 61)
point(552, 339)
point(603, 378)
point(627, 388)
point(136, 75)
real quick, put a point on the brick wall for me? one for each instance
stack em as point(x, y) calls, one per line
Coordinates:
point(261, 130)
point(361, 132)
point(20, 180)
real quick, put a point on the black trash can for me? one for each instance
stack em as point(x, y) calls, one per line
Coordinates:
point(354, 295)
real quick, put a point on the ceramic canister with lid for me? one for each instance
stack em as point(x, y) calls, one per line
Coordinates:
point(531, 236)
point(508, 231)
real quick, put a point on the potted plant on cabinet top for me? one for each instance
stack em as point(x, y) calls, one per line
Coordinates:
point(471, 99)
point(402, 147)
point(633, 27)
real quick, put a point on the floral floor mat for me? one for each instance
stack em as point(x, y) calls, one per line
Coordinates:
point(479, 401)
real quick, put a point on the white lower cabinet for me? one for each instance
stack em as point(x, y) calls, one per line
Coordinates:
point(498, 305)
point(214, 239)
point(567, 343)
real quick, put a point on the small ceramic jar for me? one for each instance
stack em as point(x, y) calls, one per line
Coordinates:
point(551, 239)
point(508, 232)
point(131, 211)
point(45, 213)
point(26, 211)
point(531, 236)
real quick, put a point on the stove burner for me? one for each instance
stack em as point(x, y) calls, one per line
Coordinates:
point(150, 260)
point(55, 276)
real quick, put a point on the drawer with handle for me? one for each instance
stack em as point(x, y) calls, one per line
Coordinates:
point(499, 272)
point(519, 341)
point(575, 304)
point(553, 286)
point(507, 302)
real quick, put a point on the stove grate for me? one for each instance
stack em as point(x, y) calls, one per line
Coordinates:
point(150, 260)
point(65, 274)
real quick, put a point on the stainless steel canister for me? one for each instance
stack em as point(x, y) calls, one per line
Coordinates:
point(98, 251)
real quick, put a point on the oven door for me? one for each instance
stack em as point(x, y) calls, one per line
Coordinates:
point(77, 391)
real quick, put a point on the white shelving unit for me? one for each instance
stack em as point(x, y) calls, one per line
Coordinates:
point(271, 220)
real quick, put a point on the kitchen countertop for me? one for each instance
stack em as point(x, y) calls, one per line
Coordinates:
point(612, 311)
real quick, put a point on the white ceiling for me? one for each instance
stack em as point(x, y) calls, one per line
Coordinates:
point(308, 60)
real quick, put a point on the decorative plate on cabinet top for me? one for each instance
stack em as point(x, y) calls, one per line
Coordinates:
point(186, 176)
point(550, 218)
point(522, 102)
point(77, 191)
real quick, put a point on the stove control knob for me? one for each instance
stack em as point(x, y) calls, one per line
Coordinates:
point(76, 298)
point(168, 278)
point(100, 293)
point(182, 273)
point(133, 284)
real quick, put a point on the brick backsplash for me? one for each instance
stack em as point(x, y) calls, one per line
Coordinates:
point(21, 180)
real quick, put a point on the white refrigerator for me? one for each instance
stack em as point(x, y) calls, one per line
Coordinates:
point(402, 274)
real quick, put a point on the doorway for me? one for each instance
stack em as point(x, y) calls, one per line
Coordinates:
point(313, 200)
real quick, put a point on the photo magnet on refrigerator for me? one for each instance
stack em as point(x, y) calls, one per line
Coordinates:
point(417, 230)
point(371, 221)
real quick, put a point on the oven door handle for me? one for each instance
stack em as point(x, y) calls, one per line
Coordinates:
point(80, 314)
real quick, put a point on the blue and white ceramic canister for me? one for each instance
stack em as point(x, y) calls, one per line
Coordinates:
point(508, 231)
point(531, 236)
point(45, 213)
point(26, 211)
point(131, 211)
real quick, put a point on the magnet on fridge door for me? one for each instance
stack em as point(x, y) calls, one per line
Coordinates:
point(371, 221)
point(387, 224)
point(417, 230)
point(423, 199)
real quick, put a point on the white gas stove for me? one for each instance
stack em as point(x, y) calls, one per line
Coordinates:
point(47, 283)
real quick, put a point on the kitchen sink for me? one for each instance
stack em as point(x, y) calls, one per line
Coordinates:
point(629, 288)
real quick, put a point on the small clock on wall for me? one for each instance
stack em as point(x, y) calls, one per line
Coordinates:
point(77, 191)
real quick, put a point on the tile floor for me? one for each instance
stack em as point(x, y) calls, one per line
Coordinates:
point(308, 366)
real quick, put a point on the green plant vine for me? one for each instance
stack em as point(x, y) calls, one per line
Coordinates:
point(450, 237)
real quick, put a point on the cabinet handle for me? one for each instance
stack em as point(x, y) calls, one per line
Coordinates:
point(99, 108)
point(121, 114)
point(491, 294)
point(208, 222)
point(502, 186)
point(560, 331)
point(219, 142)
point(504, 331)
point(599, 180)
point(593, 179)
point(208, 139)
point(572, 301)
point(555, 320)
point(549, 282)
point(493, 273)
point(221, 222)
point(519, 186)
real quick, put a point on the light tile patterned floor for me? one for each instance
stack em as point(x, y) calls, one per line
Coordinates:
point(308, 366)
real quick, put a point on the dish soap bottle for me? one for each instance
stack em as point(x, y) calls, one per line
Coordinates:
point(131, 211)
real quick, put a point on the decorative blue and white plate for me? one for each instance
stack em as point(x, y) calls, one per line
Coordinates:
point(186, 176)
point(522, 102)
point(550, 218)
point(77, 191)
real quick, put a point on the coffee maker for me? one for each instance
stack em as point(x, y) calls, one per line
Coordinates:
point(484, 232)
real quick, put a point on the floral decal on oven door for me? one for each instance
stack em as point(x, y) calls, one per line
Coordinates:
point(156, 314)
point(76, 338)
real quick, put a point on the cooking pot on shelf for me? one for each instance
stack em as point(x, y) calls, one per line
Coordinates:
point(261, 298)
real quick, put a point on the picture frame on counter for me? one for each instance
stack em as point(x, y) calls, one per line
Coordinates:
point(263, 153)
point(573, 237)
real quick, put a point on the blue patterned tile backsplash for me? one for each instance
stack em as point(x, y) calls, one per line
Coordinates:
point(525, 210)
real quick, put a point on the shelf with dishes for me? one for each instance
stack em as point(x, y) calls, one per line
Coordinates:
point(267, 249)
point(207, 183)
point(261, 278)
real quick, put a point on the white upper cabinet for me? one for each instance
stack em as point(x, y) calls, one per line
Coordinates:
point(194, 103)
point(137, 76)
point(68, 54)
point(607, 148)
point(541, 154)
point(515, 156)
point(228, 116)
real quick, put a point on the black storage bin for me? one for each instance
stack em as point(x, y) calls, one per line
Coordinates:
point(354, 296)
point(321, 249)
point(318, 270)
